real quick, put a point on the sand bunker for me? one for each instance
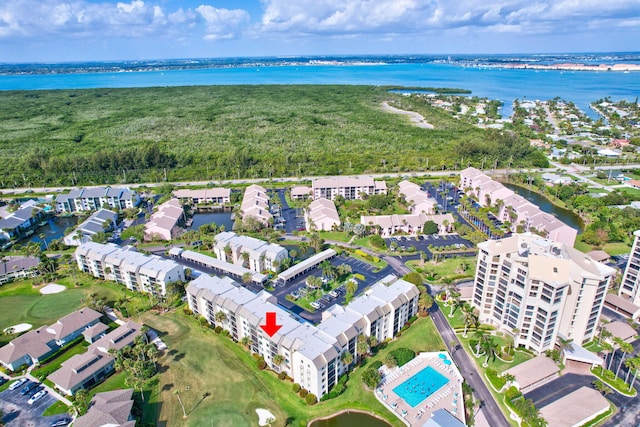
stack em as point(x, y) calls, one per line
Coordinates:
point(416, 118)
point(265, 416)
point(16, 329)
point(52, 288)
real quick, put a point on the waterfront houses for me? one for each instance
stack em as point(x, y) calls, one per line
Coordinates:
point(255, 204)
point(249, 252)
point(208, 196)
point(311, 355)
point(164, 224)
point(514, 208)
point(539, 289)
point(91, 199)
point(101, 221)
point(124, 265)
point(25, 217)
point(351, 188)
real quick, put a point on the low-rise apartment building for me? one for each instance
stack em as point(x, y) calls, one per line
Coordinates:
point(419, 201)
point(411, 224)
point(209, 196)
point(322, 215)
point(351, 188)
point(25, 217)
point(515, 208)
point(18, 267)
point(254, 254)
point(124, 265)
point(91, 199)
point(255, 204)
point(100, 221)
point(32, 347)
point(109, 408)
point(538, 290)
point(84, 371)
point(312, 355)
point(164, 224)
point(300, 192)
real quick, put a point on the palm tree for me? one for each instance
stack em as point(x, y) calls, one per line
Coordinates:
point(346, 358)
point(606, 349)
point(362, 347)
point(278, 360)
point(481, 336)
point(220, 317)
point(509, 378)
point(469, 317)
point(327, 269)
point(245, 259)
point(635, 367)
point(246, 342)
point(425, 301)
point(626, 349)
point(565, 345)
point(455, 303)
point(351, 287)
point(490, 348)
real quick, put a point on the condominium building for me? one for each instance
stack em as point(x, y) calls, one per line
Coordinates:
point(210, 196)
point(254, 254)
point(630, 286)
point(412, 224)
point(419, 201)
point(539, 290)
point(300, 192)
point(312, 355)
point(322, 215)
point(255, 204)
point(164, 223)
point(16, 223)
point(17, 267)
point(515, 208)
point(91, 199)
point(124, 265)
point(351, 188)
point(99, 222)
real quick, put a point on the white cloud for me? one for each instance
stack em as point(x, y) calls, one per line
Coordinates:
point(223, 23)
point(338, 17)
point(38, 19)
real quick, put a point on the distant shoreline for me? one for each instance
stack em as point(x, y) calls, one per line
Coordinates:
point(571, 67)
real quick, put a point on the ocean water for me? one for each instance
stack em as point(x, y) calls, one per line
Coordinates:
point(581, 87)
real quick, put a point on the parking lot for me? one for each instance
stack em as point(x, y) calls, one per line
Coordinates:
point(17, 412)
point(357, 267)
point(422, 243)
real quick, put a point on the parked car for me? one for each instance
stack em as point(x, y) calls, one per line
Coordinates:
point(18, 384)
point(39, 395)
point(315, 305)
point(2, 380)
point(28, 388)
point(35, 390)
point(61, 422)
point(334, 294)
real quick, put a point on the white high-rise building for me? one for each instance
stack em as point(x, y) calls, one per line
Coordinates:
point(538, 289)
point(630, 286)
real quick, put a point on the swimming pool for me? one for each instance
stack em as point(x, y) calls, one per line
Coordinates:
point(420, 386)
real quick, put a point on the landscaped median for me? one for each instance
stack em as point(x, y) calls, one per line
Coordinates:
point(610, 379)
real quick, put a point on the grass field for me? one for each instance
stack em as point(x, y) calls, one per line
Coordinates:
point(448, 269)
point(223, 132)
point(202, 361)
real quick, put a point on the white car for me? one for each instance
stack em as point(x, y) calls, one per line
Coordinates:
point(39, 395)
point(315, 305)
point(17, 384)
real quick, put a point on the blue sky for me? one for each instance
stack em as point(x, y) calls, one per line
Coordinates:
point(79, 30)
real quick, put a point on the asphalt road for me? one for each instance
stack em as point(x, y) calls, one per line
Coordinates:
point(489, 407)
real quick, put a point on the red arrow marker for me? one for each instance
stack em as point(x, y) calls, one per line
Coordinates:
point(270, 328)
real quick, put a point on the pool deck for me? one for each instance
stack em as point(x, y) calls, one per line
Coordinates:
point(442, 398)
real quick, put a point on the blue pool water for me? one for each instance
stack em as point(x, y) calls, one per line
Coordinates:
point(420, 386)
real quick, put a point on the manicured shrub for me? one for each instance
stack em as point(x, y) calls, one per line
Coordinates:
point(311, 399)
point(371, 377)
point(261, 364)
point(512, 393)
point(403, 355)
point(282, 375)
point(303, 393)
point(296, 387)
point(218, 329)
point(376, 365)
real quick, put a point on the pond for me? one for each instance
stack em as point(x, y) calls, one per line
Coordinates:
point(351, 419)
point(53, 229)
point(221, 216)
point(564, 215)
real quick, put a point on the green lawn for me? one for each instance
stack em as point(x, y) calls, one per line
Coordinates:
point(205, 362)
point(65, 354)
point(448, 269)
point(616, 248)
point(339, 236)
